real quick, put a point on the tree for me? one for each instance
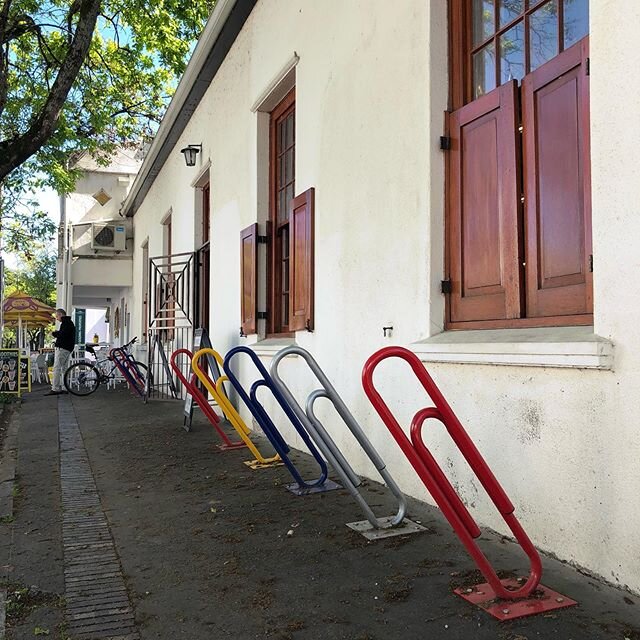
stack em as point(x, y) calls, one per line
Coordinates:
point(81, 76)
point(37, 278)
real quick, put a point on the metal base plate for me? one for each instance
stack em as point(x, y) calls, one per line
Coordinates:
point(365, 528)
point(542, 600)
point(327, 485)
point(231, 447)
point(254, 464)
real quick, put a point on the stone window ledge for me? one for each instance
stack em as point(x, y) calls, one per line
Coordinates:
point(270, 346)
point(568, 347)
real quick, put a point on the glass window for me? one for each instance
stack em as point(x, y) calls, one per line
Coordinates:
point(576, 21)
point(283, 139)
point(511, 38)
point(483, 20)
point(484, 70)
point(543, 34)
point(512, 60)
point(509, 11)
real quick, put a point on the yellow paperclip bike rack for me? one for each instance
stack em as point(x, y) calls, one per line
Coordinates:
point(216, 389)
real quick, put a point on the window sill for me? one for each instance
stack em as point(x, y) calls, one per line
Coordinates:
point(569, 347)
point(271, 346)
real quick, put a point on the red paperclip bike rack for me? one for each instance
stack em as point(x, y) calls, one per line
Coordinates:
point(504, 599)
point(192, 387)
point(129, 370)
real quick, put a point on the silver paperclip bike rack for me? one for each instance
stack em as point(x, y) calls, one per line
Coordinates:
point(373, 527)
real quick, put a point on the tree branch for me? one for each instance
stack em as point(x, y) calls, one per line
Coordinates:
point(15, 151)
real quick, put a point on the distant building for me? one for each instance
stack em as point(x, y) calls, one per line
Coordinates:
point(95, 257)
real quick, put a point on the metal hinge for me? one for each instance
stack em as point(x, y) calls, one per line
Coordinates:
point(445, 286)
point(445, 143)
point(587, 66)
point(262, 315)
point(263, 239)
point(591, 263)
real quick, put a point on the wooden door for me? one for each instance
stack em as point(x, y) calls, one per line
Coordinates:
point(482, 221)
point(556, 167)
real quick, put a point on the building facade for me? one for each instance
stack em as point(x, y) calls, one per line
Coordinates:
point(95, 247)
point(439, 176)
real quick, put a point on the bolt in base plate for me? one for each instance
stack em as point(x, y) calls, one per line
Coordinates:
point(327, 485)
point(365, 528)
point(542, 600)
point(255, 464)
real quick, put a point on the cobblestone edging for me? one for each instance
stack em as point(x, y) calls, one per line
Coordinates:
point(97, 603)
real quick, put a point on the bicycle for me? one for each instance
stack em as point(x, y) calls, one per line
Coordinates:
point(83, 378)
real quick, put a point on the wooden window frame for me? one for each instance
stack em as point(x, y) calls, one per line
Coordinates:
point(276, 325)
point(206, 213)
point(203, 257)
point(460, 94)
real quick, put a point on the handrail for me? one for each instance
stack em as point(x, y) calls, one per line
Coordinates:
point(435, 480)
point(128, 368)
point(216, 389)
point(263, 419)
point(326, 444)
point(198, 396)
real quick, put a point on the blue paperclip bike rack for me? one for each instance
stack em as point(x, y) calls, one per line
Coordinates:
point(301, 486)
point(373, 527)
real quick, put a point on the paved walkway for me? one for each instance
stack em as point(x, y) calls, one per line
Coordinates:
point(211, 549)
point(97, 603)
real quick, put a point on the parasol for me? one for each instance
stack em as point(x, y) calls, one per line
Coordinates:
point(20, 308)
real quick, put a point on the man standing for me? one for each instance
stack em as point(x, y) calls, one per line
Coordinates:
point(65, 342)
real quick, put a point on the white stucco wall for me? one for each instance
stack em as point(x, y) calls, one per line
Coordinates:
point(371, 88)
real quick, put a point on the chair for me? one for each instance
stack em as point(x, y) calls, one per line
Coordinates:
point(42, 368)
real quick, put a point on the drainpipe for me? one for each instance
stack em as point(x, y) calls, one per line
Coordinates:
point(61, 262)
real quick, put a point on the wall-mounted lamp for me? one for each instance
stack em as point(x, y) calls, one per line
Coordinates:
point(190, 154)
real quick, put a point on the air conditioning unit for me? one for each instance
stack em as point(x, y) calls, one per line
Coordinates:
point(108, 237)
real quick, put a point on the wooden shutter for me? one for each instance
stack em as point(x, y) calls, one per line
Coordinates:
point(483, 208)
point(558, 186)
point(301, 214)
point(249, 279)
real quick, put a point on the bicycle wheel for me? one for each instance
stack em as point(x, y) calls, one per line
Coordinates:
point(144, 370)
point(81, 379)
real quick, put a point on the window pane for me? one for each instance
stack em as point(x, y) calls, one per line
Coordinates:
point(509, 10)
point(288, 199)
point(282, 207)
point(512, 54)
point(288, 169)
point(576, 21)
point(484, 70)
point(281, 170)
point(281, 135)
point(543, 34)
point(290, 129)
point(483, 20)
